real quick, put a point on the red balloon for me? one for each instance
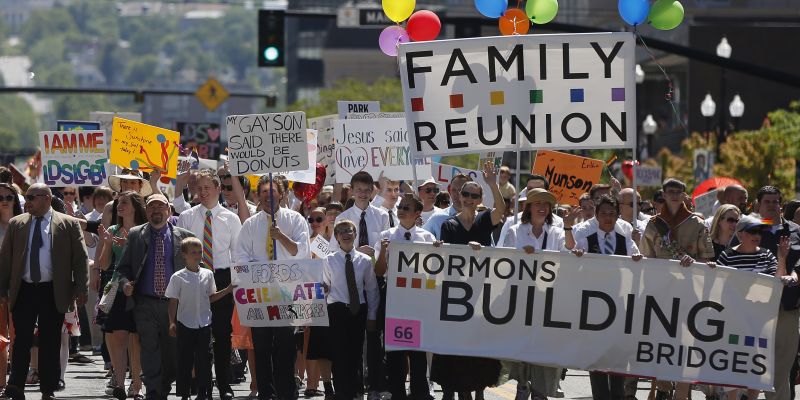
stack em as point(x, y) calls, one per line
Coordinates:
point(627, 169)
point(423, 25)
point(307, 191)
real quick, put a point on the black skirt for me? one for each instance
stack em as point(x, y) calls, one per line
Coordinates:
point(464, 374)
point(118, 318)
point(319, 343)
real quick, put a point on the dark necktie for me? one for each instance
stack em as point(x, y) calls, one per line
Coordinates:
point(160, 264)
point(391, 219)
point(352, 288)
point(36, 243)
point(407, 235)
point(363, 236)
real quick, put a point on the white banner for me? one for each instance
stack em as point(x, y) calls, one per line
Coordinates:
point(74, 158)
point(647, 176)
point(443, 174)
point(280, 293)
point(375, 146)
point(566, 91)
point(320, 247)
point(263, 143)
point(649, 318)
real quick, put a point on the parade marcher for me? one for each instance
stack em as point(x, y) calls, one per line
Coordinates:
point(434, 224)
point(390, 193)
point(353, 301)
point(723, 227)
point(148, 261)
point(733, 194)
point(10, 207)
point(626, 198)
point(400, 363)
point(219, 229)
point(260, 240)
point(791, 212)
point(43, 270)
point(370, 220)
point(442, 201)
point(428, 191)
point(128, 180)
point(507, 188)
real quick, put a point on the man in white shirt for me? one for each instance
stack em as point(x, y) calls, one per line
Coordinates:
point(370, 221)
point(427, 193)
point(626, 198)
point(603, 237)
point(435, 221)
point(406, 232)
point(261, 240)
point(218, 229)
point(390, 192)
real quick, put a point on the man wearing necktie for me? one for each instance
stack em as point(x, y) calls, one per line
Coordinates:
point(261, 240)
point(43, 269)
point(149, 259)
point(352, 306)
point(370, 220)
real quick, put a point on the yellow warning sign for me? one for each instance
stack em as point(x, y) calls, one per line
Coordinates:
point(211, 94)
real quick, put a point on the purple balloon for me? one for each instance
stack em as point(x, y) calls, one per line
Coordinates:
point(390, 38)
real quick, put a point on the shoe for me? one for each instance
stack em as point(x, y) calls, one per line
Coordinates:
point(61, 385)
point(222, 396)
point(14, 393)
point(299, 381)
point(309, 393)
point(253, 395)
point(119, 393)
point(522, 393)
point(80, 359)
point(48, 396)
point(85, 347)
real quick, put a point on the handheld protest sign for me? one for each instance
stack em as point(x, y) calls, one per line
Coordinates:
point(144, 147)
point(567, 91)
point(264, 143)
point(570, 176)
point(74, 158)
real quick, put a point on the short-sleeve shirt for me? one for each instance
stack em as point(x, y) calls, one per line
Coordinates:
point(192, 289)
point(762, 261)
point(453, 231)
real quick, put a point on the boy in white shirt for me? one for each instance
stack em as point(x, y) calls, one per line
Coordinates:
point(191, 291)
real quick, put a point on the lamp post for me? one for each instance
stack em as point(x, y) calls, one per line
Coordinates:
point(708, 108)
point(638, 74)
point(724, 50)
point(736, 108)
point(649, 127)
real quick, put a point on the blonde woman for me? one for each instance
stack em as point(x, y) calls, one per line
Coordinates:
point(724, 227)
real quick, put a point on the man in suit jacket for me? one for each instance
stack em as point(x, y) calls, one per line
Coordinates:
point(43, 269)
point(149, 259)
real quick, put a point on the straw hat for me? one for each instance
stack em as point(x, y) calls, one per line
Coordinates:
point(539, 194)
point(136, 175)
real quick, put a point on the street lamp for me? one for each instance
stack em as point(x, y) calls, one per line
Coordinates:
point(708, 108)
point(649, 127)
point(724, 50)
point(638, 73)
point(736, 108)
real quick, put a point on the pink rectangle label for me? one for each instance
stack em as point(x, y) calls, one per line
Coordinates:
point(403, 332)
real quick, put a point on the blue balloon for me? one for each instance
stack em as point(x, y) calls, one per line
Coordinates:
point(634, 12)
point(491, 8)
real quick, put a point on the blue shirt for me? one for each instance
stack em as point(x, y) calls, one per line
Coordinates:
point(434, 224)
point(146, 285)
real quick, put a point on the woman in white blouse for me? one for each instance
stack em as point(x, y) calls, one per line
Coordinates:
point(536, 232)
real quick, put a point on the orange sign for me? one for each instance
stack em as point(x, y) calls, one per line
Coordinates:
point(570, 176)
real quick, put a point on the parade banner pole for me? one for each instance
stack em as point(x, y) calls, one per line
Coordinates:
point(272, 213)
point(519, 193)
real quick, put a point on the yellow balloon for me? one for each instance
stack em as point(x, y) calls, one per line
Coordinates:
point(398, 10)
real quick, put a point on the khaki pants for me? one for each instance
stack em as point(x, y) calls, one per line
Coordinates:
point(786, 337)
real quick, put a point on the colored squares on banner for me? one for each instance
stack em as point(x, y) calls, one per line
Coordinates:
point(497, 98)
point(401, 282)
point(733, 339)
point(749, 341)
point(617, 94)
point(537, 96)
point(416, 283)
point(762, 343)
point(430, 284)
point(417, 104)
point(576, 95)
point(456, 100)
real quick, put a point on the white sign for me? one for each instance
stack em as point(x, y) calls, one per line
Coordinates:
point(263, 143)
point(647, 176)
point(567, 91)
point(443, 174)
point(309, 175)
point(704, 203)
point(374, 115)
point(280, 293)
point(375, 146)
point(74, 158)
point(325, 144)
point(320, 247)
point(106, 120)
point(357, 107)
point(600, 313)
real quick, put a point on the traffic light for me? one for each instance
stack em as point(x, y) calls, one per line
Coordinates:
point(271, 49)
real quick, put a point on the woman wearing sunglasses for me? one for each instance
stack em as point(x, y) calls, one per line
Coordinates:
point(723, 227)
point(457, 373)
point(9, 208)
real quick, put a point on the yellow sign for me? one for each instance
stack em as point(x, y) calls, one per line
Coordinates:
point(211, 94)
point(144, 147)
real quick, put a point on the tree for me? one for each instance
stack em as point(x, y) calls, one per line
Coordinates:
point(46, 23)
point(18, 117)
point(8, 138)
point(385, 90)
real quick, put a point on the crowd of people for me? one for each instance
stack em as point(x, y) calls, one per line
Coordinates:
point(144, 280)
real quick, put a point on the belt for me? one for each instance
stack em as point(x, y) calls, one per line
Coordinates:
point(38, 284)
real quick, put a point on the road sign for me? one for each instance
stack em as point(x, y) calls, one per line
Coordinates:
point(211, 94)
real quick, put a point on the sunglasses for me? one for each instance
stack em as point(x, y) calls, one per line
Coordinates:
point(32, 197)
point(475, 196)
point(228, 188)
point(430, 190)
point(347, 231)
point(7, 198)
point(311, 220)
point(405, 208)
point(732, 220)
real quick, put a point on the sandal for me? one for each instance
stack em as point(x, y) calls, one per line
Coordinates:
point(33, 377)
point(134, 391)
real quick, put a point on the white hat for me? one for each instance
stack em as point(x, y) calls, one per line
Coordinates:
point(130, 174)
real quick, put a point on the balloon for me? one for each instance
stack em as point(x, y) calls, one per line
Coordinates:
point(491, 8)
point(423, 25)
point(541, 11)
point(390, 38)
point(398, 10)
point(634, 12)
point(666, 14)
point(514, 22)
point(307, 191)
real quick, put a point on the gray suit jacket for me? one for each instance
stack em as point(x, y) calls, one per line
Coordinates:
point(134, 256)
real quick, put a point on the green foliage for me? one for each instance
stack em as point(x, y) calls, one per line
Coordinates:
point(385, 90)
point(47, 23)
point(19, 121)
point(8, 138)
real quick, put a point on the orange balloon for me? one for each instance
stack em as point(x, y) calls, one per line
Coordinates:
point(514, 22)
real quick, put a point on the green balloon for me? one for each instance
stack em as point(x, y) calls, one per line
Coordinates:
point(541, 11)
point(666, 14)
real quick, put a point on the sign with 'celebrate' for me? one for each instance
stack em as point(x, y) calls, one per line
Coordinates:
point(649, 318)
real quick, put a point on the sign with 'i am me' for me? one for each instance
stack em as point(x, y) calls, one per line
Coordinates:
point(525, 92)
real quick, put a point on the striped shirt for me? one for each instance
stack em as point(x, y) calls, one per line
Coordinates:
point(762, 261)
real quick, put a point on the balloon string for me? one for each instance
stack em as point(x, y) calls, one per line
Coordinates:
point(669, 95)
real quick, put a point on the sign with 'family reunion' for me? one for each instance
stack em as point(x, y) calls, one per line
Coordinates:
point(144, 147)
point(264, 143)
point(569, 175)
point(74, 158)
point(609, 313)
point(573, 91)
point(375, 146)
point(280, 293)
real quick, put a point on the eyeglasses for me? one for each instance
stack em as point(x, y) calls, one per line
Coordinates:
point(404, 208)
point(475, 196)
point(32, 197)
point(311, 220)
point(732, 220)
point(430, 190)
point(7, 198)
point(228, 188)
point(345, 231)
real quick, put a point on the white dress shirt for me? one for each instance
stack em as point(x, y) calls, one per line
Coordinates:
point(377, 222)
point(393, 216)
point(426, 215)
point(398, 234)
point(583, 243)
point(521, 235)
point(252, 243)
point(192, 289)
point(589, 227)
point(558, 222)
point(45, 258)
point(334, 276)
point(225, 227)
